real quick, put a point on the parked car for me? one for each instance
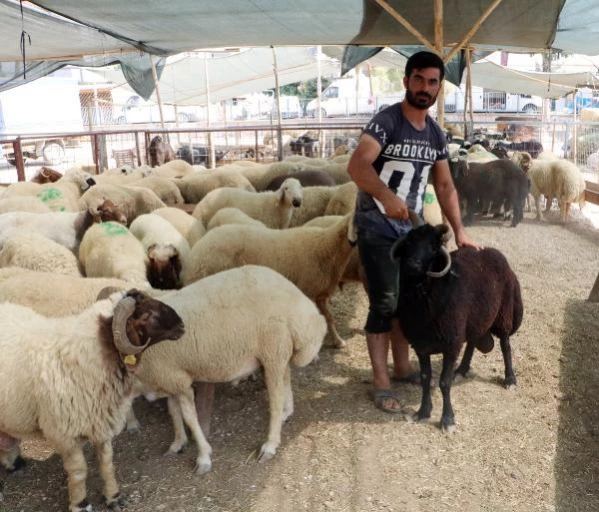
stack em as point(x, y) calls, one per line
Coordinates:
point(196, 154)
point(136, 110)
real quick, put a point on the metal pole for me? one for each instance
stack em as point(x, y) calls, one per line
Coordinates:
point(19, 164)
point(211, 153)
point(155, 77)
point(278, 102)
point(318, 93)
point(439, 48)
point(574, 130)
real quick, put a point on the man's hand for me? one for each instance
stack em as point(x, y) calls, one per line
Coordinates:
point(463, 240)
point(395, 208)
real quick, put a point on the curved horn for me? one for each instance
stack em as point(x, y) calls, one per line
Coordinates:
point(123, 310)
point(445, 252)
point(44, 172)
point(414, 218)
point(106, 292)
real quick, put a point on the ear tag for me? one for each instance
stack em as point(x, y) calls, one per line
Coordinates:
point(130, 360)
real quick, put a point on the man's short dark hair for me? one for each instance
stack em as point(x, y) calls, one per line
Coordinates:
point(423, 60)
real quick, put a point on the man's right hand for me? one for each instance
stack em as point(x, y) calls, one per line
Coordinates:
point(395, 208)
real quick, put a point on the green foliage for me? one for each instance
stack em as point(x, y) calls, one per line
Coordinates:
point(306, 90)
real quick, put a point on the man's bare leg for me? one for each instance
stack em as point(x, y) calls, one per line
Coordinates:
point(378, 350)
point(400, 349)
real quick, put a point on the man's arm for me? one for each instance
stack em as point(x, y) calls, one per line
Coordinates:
point(447, 196)
point(365, 177)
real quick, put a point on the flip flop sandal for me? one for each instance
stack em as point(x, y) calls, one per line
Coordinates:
point(380, 395)
point(413, 378)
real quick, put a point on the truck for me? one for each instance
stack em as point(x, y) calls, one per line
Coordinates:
point(339, 99)
point(492, 101)
point(47, 107)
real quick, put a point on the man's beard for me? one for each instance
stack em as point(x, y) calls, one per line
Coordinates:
point(420, 100)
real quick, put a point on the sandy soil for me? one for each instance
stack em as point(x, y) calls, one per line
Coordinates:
point(530, 450)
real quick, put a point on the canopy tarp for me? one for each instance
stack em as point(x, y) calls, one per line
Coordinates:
point(183, 82)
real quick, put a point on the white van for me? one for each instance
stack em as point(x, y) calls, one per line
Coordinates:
point(488, 100)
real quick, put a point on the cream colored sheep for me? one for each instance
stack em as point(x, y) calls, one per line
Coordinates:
point(231, 216)
point(314, 204)
point(235, 322)
point(23, 204)
point(274, 209)
point(174, 169)
point(311, 258)
point(110, 250)
point(343, 200)
point(130, 200)
point(52, 294)
point(35, 251)
point(261, 175)
point(195, 188)
point(191, 228)
point(166, 248)
point(165, 189)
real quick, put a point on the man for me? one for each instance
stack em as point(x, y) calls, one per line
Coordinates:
point(397, 150)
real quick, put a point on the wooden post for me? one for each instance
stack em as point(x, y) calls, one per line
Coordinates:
point(439, 50)
point(406, 24)
point(318, 93)
point(19, 164)
point(469, 81)
point(278, 102)
point(137, 150)
point(157, 89)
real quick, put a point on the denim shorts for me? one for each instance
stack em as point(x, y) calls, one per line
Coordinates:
point(382, 276)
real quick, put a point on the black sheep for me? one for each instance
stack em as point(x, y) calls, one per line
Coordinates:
point(446, 299)
point(498, 183)
point(160, 152)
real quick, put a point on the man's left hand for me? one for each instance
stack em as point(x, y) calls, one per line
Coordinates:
point(463, 240)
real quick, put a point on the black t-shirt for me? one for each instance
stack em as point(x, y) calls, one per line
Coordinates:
point(404, 162)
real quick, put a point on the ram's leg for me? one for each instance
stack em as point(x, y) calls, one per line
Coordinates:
point(447, 417)
point(538, 206)
point(132, 425)
point(203, 461)
point(179, 428)
point(323, 306)
point(112, 496)
point(506, 350)
point(76, 468)
point(464, 367)
point(548, 203)
point(276, 387)
point(10, 453)
point(426, 405)
point(288, 405)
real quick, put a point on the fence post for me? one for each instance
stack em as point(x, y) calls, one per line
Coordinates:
point(96, 147)
point(137, 150)
point(19, 164)
point(256, 154)
point(147, 140)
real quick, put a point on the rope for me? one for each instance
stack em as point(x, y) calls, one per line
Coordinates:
point(24, 38)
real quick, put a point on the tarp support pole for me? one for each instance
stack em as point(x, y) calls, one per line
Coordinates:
point(439, 50)
point(318, 93)
point(469, 90)
point(278, 101)
point(466, 39)
point(406, 24)
point(155, 78)
point(211, 153)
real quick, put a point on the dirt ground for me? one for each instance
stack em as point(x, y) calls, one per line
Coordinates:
point(528, 450)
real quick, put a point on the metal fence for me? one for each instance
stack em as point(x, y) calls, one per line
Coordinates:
point(576, 141)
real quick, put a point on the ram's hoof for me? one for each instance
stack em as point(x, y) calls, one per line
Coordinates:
point(116, 503)
point(202, 467)
point(448, 427)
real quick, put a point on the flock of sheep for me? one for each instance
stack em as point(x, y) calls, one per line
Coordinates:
point(110, 290)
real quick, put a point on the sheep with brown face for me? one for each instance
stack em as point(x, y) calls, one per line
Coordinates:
point(160, 152)
point(46, 175)
point(85, 387)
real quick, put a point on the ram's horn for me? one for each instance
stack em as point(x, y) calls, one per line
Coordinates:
point(445, 252)
point(123, 310)
point(414, 218)
point(44, 172)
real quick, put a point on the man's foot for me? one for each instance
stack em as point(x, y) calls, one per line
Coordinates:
point(412, 378)
point(386, 400)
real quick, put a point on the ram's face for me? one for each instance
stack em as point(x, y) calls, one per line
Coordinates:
point(418, 250)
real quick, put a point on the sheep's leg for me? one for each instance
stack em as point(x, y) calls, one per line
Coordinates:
point(447, 417)
point(186, 403)
point(506, 350)
point(323, 306)
point(288, 404)
point(565, 211)
point(276, 386)
point(114, 500)
point(426, 406)
point(76, 468)
point(132, 425)
point(538, 206)
point(548, 203)
point(464, 367)
point(180, 435)
point(10, 453)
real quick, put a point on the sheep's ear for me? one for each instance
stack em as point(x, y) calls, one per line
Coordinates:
point(280, 194)
point(397, 249)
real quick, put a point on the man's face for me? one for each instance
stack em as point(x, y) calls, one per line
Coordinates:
point(422, 87)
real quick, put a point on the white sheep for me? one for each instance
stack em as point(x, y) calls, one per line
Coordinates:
point(343, 200)
point(174, 169)
point(67, 379)
point(50, 293)
point(235, 322)
point(273, 209)
point(35, 251)
point(65, 228)
point(231, 216)
point(311, 258)
point(195, 187)
point(261, 175)
point(314, 204)
point(166, 248)
point(192, 229)
point(164, 188)
point(30, 204)
point(553, 178)
point(131, 201)
point(110, 250)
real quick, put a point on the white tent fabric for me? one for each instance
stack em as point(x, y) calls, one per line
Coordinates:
point(183, 82)
point(549, 85)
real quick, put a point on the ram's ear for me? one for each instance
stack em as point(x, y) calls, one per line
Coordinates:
point(397, 249)
point(443, 232)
